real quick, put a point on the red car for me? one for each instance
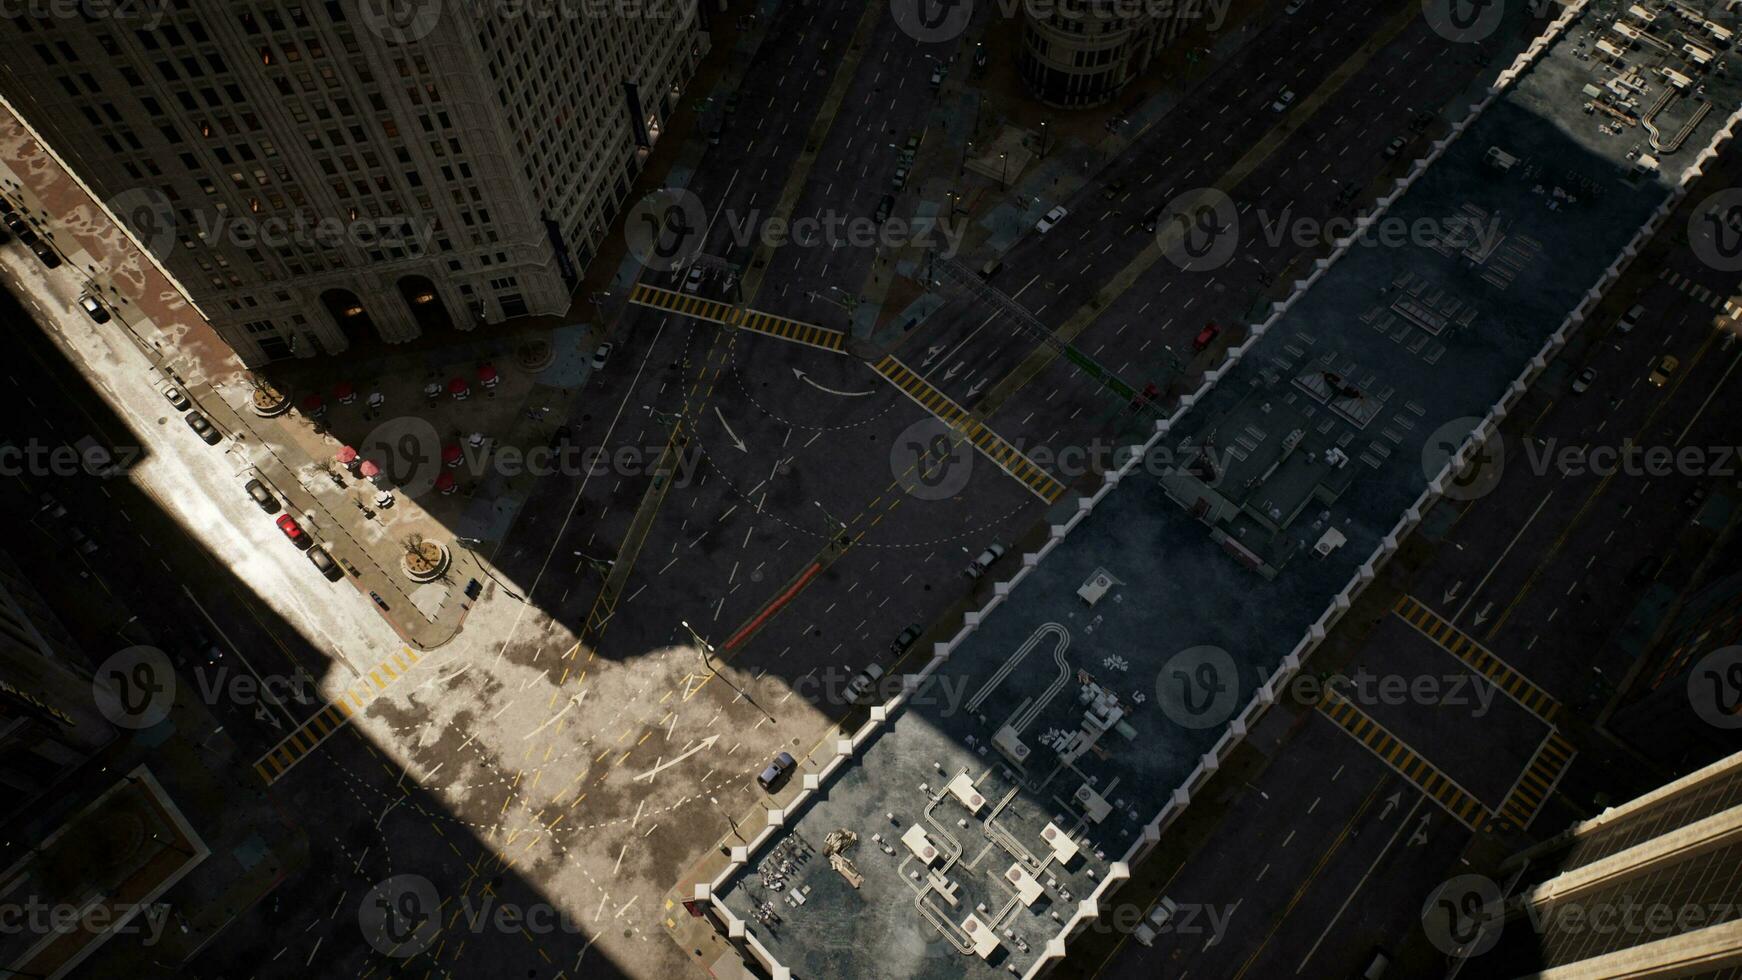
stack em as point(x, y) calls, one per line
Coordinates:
point(292, 530)
point(1206, 336)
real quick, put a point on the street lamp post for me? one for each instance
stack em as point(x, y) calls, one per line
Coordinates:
point(1004, 171)
point(706, 647)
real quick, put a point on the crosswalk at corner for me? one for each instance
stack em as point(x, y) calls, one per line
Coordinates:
point(327, 722)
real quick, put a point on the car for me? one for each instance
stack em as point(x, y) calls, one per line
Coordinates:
point(203, 428)
point(693, 281)
point(261, 496)
point(715, 133)
point(1294, 6)
point(911, 149)
point(1113, 189)
point(376, 598)
point(17, 223)
point(1666, 366)
point(776, 772)
point(1393, 148)
point(884, 207)
point(978, 566)
point(1158, 917)
point(175, 396)
point(1348, 193)
point(292, 530)
point(562, 436)
point(1695, 497)
point(1151, 218)
point(1630, 319)
point(1646, 569)
point(900, 179)
point(5, 205)
point(601, 355)
point(1284, 99)
point(82, 542)
point(1051, 218)
point(95, 458)
point(5, 235)
point(52, 506)
point(937, 78)
point(1206, 336)
point(94, 309)
point(322, 561)
point(1150, 393)
point(862, 683)
point(732, 104)
point(907, 639)
point(1582, 383)
point(46, 255)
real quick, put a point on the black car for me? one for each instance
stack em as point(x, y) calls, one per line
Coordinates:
point(46, 255)
point(772, 776)
point(884, 206)
point(203, 428)
point(1150, 218)
point(5, 236)
point(907, 639)
point(261, 496)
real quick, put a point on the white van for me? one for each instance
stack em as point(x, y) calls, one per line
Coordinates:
point(1630, 319)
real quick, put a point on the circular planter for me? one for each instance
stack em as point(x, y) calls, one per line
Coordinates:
point(535, 355)
point(426, 566)
point(269, 402)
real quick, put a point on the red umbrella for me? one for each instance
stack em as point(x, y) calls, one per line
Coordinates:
point(487, 375)
point(347, 455)
point(369, 469)
point(451, 454)
point(457, 386)
point(445, 482)
point(344, 393)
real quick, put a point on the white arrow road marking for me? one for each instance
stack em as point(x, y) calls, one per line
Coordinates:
point(706, 743)
point(729, 433)
point(799, 373)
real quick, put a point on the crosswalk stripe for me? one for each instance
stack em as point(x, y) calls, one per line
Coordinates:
point(326, 722)
point(980, 436)
point(1465, 647)
point(1391, 750)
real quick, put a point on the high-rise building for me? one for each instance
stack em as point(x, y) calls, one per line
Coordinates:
point(49, 724)
point(1078, 53)
point(316, 173)
point(1649, 888)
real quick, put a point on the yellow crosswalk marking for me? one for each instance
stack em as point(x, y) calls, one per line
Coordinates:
point(1391, 750)
point(1007, 457)
point(808, 334)
point(1463, 646)
point(1539, 779)
point(325, 723)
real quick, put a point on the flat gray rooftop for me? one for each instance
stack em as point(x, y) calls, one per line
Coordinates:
point(1431, 333)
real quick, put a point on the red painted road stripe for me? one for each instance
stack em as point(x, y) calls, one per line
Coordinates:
point(774, 607)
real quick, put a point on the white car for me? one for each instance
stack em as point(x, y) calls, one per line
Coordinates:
point(1051, 218)
point(600, 356)
point(1582, 383)
point(979, 565)
point(693, 281)
point(175, 396)
point(1630, 319)
point(1284, 99)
